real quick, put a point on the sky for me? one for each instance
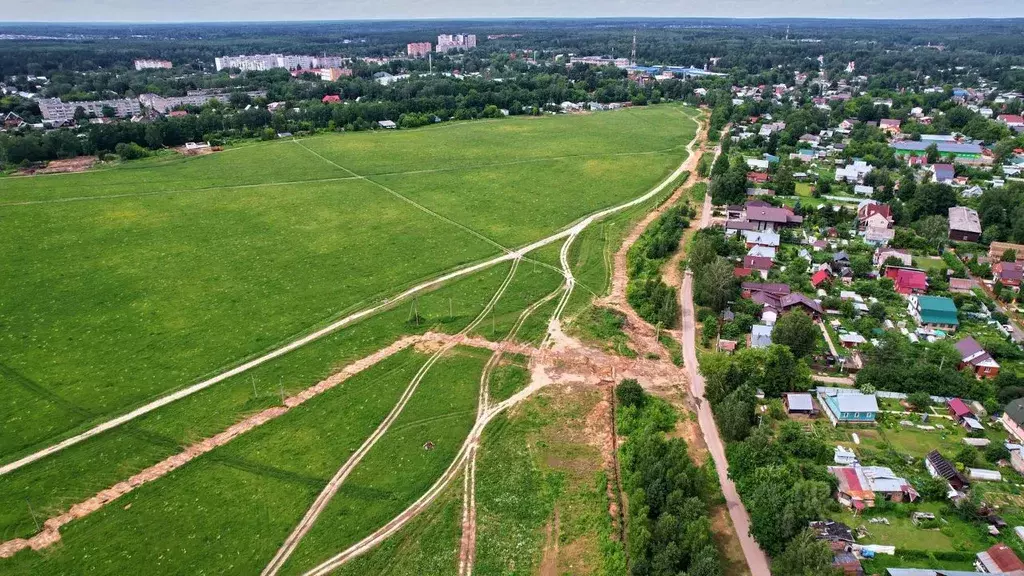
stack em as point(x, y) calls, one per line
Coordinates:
point(277, 10)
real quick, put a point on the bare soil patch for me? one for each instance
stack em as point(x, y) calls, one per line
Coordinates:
point(68, 165)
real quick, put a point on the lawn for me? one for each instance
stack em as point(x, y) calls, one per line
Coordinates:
point(398, 469)
point(175, 268)
point(803, 189)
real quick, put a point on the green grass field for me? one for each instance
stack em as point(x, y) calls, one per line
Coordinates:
point(398, 469)
point(133, 281)
point(141, 279)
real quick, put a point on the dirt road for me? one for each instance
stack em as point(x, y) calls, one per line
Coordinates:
point(756, 558)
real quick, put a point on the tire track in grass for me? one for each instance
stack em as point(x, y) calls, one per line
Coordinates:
point(324, 498)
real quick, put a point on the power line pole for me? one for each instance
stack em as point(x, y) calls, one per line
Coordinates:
point(632, 54)
point(32, 512)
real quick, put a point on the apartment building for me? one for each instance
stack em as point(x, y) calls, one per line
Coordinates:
point(446, 42)
point(152, 64)
point(55, 110)
point(418, 49)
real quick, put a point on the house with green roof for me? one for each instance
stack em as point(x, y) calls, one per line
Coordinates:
point(934, 312)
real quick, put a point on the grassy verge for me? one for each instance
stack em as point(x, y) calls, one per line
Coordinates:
point(674, 347)
point(399, 469)
point(531, 283)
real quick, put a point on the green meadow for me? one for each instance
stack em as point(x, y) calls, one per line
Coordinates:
point(130, 282)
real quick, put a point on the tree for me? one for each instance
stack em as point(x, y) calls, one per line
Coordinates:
point(1009, 255)
point(629, 393)
point(805, 555)
point(933, 228)
point(714, 286)
point(968, 456)
point(932, 153)
point(796, 331)
point(920, 400)
point(877, 311)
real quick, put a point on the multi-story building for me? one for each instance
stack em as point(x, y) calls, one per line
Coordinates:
point(164, 104)
point(253, 62)
point(150, 64)
point(333, 74)
point(446, 42)
point(418, 49)
point(54, 110)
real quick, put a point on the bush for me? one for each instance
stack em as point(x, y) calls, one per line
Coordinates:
point(130, 151)
point(629, 393)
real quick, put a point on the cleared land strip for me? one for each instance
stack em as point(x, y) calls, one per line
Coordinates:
point(51, 527)
point(332, 487)
point(167, 192)
point(572, 231)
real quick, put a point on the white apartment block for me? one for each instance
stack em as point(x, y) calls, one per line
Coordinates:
point(446, 42)
point(53, 109)
point(151, 64)
point(256, 62)
point(164, 104)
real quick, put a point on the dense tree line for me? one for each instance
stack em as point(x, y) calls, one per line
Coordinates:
point(780, 475)
point(669, 530)
point(652, 299)
point(419, 100)
point(714, 284)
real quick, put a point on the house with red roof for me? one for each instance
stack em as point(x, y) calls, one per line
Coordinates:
point(741, 272)
point(331, 99)
point(907, 281)
point(963, 416)
point(820, 277)
point(757, 177)
point(1011, 120)
point(999, 559)
point(874, 215)
point(1008, 273)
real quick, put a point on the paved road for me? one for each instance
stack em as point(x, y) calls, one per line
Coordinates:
point(756, 559)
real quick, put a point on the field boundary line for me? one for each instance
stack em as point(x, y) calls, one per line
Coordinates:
point(341, 323)
point(421, 207)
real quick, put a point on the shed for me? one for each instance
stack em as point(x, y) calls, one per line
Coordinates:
point(986, 475)
point(799, 403)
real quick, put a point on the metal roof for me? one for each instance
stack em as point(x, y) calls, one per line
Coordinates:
point(857, 402)
point(799, 401)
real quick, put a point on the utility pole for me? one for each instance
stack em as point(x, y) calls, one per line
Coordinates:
point(450, 316)
point(253, 380)
point(632, 54)
point(280, 386)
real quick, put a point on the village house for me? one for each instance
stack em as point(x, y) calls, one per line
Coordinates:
point(859, 487)
point(942, 173)
point(960, 285)
point(907, 281)
point(889, 125)
point(848, 407)
point(854, 172)
point(997, 249)
point(999, 559)
point(873, 215)
point(767, 217)
point(760, 336)
point(934, 312)
point(882, 255)
point(1008, 274)
point(1013, 419)
point(980, 361)
point(964, 224)
point(962, 415)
